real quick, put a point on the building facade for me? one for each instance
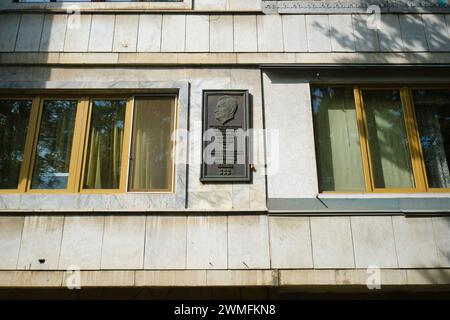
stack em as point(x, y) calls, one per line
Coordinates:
point(103, 178)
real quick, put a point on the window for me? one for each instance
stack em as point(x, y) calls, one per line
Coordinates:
point(151, 168)
point(394, 139)
point(87, 144)
point(14, 120)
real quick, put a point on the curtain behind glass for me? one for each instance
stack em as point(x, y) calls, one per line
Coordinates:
point(433, 117)
point(337, 139)
point(14, 118)
point(388, 141)
point(151, 165)
point(54, 147)
point(104, 156)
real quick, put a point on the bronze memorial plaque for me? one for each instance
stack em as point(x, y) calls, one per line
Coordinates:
point(226, 123)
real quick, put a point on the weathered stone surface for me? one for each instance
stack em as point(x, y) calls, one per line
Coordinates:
point(437, 32)
point(207, 242)
point(294, 33)
point(248, 242)
point(53, 33)
point(373, 239)
point(413, 33)
point(41, 243)
point(123, 242)
point(102, 33)
point(290, 243)
point(332, 242)
point(197, 33)
point(341, 31)
point(319, 38)
point(366, 37)
point(390, 34)
point(125, 33)
point(270, 33)
point(441, 228)
point(186, 278)
point(9, 26)
point(31, 279)
point(149, 35)
point(221, 33)
point(77, 34)
point(10, 237)
point(245, 36)
point(82, 242)
point(165, 242)
point(241, 278)
point(288, 117)
point(173, 33)
point(30, 30)
point(415, 243)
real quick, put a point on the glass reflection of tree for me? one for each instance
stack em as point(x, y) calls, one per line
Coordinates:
point(14, 117)
point(54, 145)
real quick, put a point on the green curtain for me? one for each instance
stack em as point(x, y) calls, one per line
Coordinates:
point(388, 141)
point(337, 140)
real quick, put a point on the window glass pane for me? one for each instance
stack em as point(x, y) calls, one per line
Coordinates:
point(151, 165)
point(14, 118)
point(54, 146)
point(433, 118)
point(337, 139)
point(105, 144)
point(388, 141)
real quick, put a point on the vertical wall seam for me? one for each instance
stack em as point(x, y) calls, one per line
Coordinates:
point(312, 245)
point(395, 242)
point(20, 243)
point(161, 33)
point(145, 245)
point(353, 242)
point(438, 256)
point(19, 24)
point(60, 243)
point(103, 240)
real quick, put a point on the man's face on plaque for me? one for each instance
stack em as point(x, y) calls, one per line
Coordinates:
point(225, 109)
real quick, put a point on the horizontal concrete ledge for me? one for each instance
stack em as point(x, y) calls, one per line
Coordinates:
point(360, 204)
point(218, 278)
point(158, 58)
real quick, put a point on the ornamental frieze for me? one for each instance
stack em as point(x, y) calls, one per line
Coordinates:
point(349, 6)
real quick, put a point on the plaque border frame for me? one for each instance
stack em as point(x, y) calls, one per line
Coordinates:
point(247, 125)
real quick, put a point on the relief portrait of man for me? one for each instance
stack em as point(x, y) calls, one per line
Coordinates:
point(225, 109)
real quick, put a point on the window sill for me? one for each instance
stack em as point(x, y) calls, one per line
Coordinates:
point(97, 6)
point(81, 202)
point(362, 204)
point(374, 195)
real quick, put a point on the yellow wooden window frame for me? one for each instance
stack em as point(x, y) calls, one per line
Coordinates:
point(419, 145)
point(415, 147)
point(80, 143)
point(125, 149)
point(74, 152)
point(24, 168)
